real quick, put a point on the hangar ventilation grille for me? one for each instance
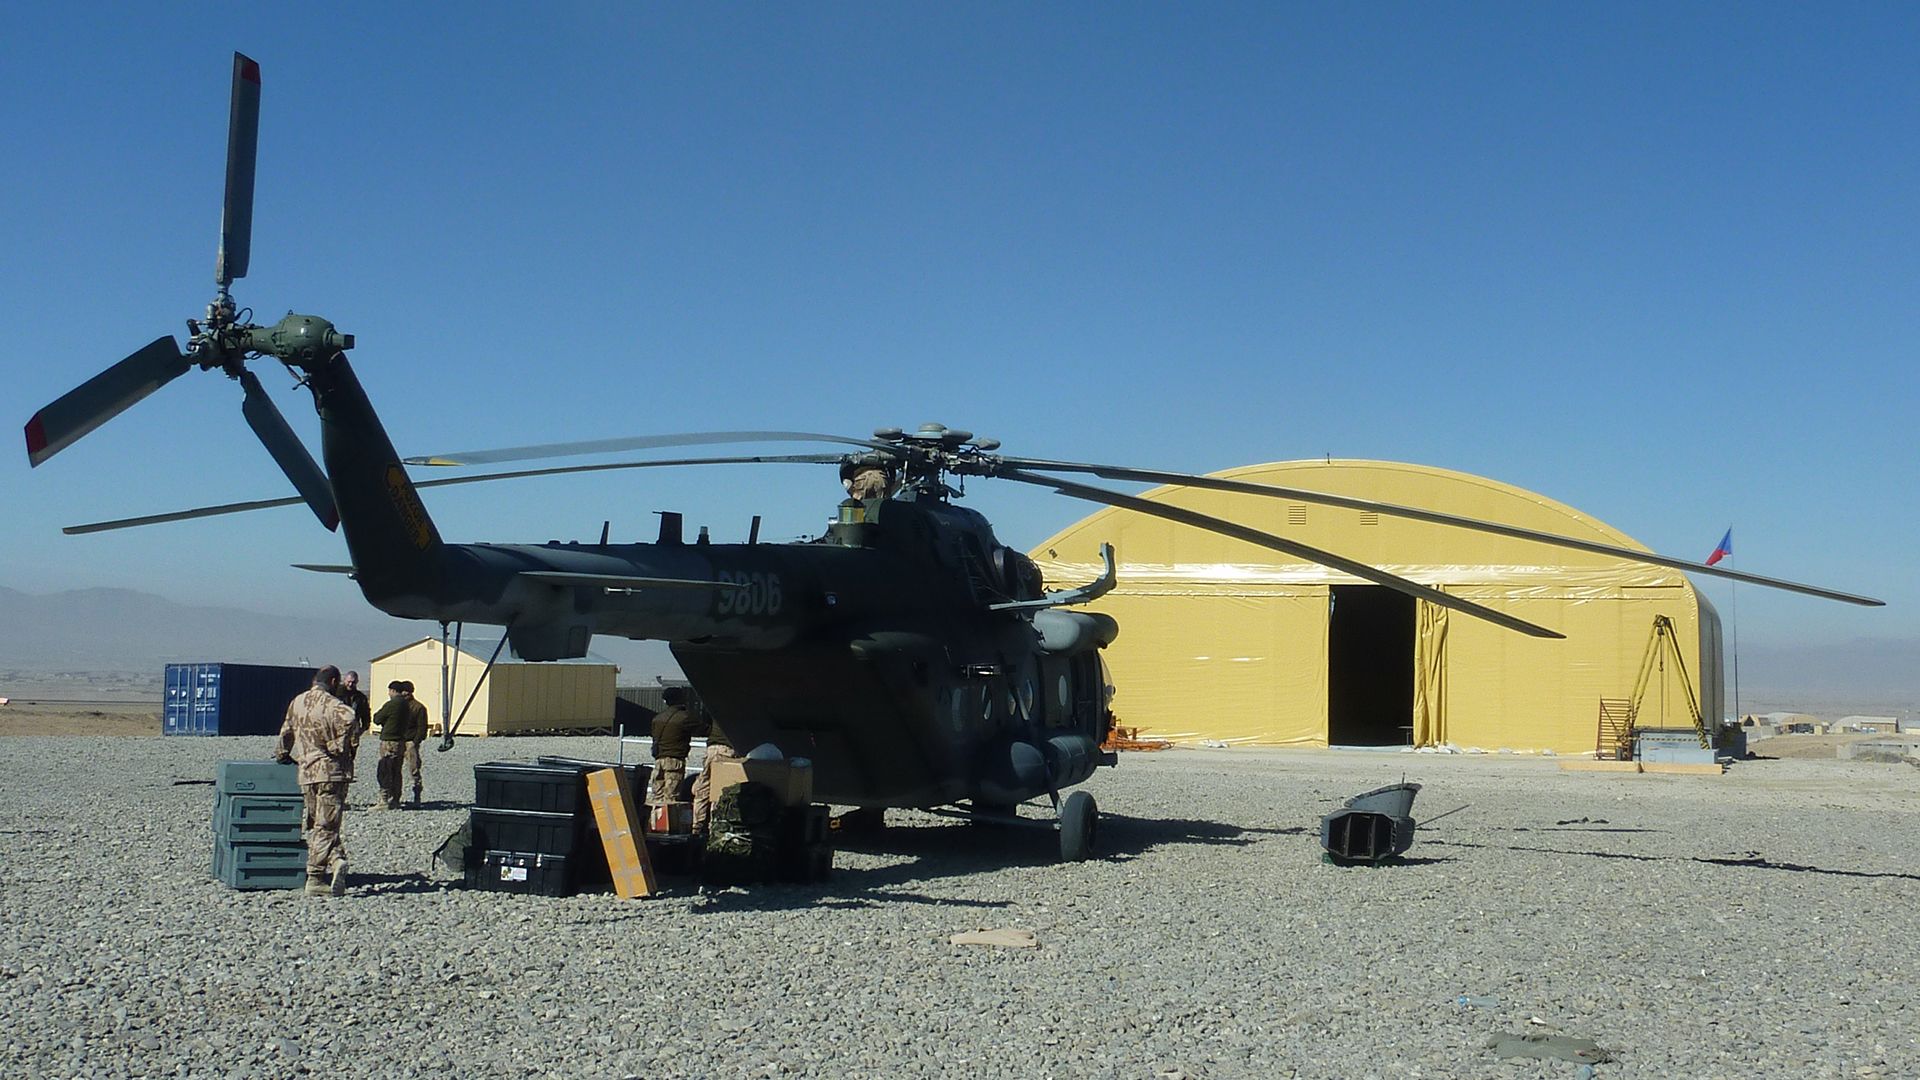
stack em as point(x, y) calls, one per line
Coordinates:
point(1368, 517)
point(1296, 514)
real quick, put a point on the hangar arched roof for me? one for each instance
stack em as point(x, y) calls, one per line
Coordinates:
point(1152, 549)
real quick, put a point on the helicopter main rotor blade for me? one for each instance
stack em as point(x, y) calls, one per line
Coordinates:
point(103, 397)
point(638, 442)
point(243, 144)
point(1274, 491)
point(269, 504)
point(288, 451)
point(1361, 570)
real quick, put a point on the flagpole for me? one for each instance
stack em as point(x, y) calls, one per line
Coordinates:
point(1738, 716)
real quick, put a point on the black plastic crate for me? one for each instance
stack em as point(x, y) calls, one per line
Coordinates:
point(545, 789)
point(527, 831)
point(803, 825)
point(520, 872)
point(637, 774)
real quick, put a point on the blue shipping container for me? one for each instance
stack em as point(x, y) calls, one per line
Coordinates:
point(229, 699)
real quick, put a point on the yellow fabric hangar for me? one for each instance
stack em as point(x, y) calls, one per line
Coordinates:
point(518, 695)
point(1224, 640)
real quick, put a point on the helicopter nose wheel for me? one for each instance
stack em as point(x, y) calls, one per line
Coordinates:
point(1079, 827)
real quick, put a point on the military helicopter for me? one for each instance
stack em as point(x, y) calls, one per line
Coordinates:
point(917, 661)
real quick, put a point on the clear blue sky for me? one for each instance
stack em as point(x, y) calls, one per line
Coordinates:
point(1659, 262)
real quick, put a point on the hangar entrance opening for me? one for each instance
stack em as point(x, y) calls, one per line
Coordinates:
point(1370, 667)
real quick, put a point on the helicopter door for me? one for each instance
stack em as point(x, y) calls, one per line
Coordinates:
point(1370, 636)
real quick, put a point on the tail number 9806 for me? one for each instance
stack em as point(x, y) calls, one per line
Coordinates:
point(753, 593)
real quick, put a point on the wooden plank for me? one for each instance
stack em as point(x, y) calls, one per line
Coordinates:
point(621, 834)
point(1683, 768)
point(1588, 765)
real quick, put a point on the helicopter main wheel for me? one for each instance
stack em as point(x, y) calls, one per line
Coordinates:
point(1079, 824)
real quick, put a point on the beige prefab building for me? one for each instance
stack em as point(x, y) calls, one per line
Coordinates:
point(517, 696)
point(1225, 640)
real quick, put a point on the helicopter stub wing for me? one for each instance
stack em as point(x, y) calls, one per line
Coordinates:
point(1361, 570)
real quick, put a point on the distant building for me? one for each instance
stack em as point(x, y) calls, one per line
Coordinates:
point(518, 696)
point(1879, 725)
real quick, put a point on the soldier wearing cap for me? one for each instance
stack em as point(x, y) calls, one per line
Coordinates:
point(319, 734)
point(403, 727)
point(672, 741)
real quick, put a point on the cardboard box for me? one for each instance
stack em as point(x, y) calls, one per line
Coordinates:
point(793, 787)
point(670, 819)
point(620, 833)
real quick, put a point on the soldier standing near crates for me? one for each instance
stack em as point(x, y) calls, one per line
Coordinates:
point(719, 748)
point(672, 741)
point(319, 734)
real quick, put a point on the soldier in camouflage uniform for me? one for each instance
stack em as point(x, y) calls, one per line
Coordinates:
point(403, 727)
point(416, 737)
point(672, 741)
point(319, 735)
point(719, 748)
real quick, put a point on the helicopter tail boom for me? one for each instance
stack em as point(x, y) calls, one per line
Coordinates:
point(398, 557)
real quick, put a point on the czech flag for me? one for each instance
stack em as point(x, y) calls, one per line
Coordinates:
point(1725, 549)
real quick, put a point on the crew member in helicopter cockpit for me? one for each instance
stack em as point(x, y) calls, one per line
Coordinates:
point(867, 477)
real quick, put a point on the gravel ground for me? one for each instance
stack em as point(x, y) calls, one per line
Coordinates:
point(1757, 924)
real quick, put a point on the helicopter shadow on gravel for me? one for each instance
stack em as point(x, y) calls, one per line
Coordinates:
point(1751, 860)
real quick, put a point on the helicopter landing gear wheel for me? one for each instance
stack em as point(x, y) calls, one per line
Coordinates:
point(1079, 824)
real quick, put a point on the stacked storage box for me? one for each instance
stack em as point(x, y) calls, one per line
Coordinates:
point(530, 826)
point(256, 826)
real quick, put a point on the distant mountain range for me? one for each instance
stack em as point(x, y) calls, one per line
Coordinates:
point(127, 632)
point(121, 630)
point(1876, 676)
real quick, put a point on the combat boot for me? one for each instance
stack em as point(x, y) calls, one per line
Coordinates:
point(416, 798)
point(319, 886)
point(339, 884)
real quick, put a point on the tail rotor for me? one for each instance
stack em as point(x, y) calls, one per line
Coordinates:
point(220, 340)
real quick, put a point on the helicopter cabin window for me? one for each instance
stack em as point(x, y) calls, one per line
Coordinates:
point(1370, 637)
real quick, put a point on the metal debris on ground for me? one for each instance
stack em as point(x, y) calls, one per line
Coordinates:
point(1373, 827)
point(1128, 738)
point(1004, 937)
point(1539, 1044)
